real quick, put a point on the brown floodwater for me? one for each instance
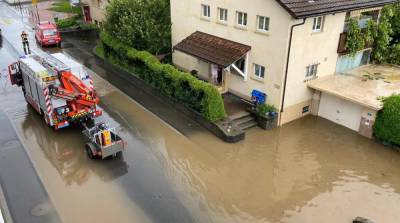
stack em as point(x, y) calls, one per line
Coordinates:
point(310, 170)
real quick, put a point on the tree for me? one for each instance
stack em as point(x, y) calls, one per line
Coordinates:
point(355, 40)
point(395, 23)
point(383, 36)
point(141, 24)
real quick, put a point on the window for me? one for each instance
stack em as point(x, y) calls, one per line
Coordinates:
point(241, 18)
point(312, 71)
point(223, 14)
point(263, 23)
point(49, 32)
point(259, 71)
point(205, 11)
point(318, 24)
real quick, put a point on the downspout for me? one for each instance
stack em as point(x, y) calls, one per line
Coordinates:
point(287, 67)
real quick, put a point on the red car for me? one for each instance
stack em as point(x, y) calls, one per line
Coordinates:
point(47, 34)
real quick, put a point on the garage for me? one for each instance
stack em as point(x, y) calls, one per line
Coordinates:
point(340, 111)
point(353, 99)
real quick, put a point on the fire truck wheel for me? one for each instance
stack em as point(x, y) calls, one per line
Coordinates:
point(89, 151)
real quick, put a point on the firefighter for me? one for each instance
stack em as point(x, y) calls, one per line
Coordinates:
point(25, 42)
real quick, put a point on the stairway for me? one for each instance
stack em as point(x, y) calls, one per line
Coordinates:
point(243, 120)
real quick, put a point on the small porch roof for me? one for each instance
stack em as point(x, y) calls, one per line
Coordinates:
point(212, 49)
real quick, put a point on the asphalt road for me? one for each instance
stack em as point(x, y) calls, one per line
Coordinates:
point(132, 188)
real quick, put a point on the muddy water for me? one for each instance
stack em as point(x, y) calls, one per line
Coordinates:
point(308, 171)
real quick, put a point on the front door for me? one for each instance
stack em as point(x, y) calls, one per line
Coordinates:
point(217, 77)
point(86, 11)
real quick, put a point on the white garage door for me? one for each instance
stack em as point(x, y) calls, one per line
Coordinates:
point(340, 111)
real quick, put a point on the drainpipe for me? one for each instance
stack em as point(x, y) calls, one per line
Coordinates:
point(287, 66)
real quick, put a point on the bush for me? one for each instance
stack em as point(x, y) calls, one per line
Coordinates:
point(387, 124)
point(179, 86)
point(67, 23)
point(263, 109)
point(394, 56)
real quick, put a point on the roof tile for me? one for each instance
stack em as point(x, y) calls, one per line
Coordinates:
point(212, 49)
point(308, 8)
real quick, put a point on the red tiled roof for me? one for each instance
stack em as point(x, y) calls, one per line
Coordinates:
point(308, 8)
point(212, 49)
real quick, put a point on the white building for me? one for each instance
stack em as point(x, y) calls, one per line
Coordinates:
point(272, 46)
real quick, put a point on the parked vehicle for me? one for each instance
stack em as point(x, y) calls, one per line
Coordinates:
point(61, 91)
point(63, 95)
point(47, 34)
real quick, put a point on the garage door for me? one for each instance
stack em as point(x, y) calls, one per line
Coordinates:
point(340, 111)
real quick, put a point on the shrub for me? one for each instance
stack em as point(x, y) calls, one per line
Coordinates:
point(394, 56)
point(263, 109)
point(67, 23)
point(387, 123)
point(179, 86)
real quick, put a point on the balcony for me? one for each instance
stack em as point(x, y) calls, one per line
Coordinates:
point(362, 23)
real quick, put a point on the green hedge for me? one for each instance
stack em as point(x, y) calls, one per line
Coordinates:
point(387, 124)
point(179, 86)
point(66, 23)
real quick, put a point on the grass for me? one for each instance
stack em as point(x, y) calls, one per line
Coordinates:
point(65, 6)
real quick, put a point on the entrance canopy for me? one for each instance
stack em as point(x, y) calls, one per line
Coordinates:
point(212, 49)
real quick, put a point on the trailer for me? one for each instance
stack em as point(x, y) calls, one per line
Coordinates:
point(102, 141)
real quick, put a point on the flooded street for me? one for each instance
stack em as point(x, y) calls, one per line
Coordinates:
point(310, 170)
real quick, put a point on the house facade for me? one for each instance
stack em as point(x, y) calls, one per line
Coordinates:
point(272, 46)
point(94, 11)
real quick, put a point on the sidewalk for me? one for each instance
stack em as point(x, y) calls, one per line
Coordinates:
point(30, 11)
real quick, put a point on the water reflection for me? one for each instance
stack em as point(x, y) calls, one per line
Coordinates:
point(64, 149)
point(300, 171)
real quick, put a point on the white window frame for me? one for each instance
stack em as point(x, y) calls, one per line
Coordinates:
point(312, 71)
point(318, 24)
point(261, 71)
point(205, 11)
point(222, 15)
point(243, 16)
point(265, 25)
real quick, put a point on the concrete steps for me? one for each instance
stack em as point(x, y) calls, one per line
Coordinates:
point(243, 120)
point(248, 125)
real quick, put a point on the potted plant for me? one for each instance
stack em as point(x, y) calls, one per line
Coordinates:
point(266, 116)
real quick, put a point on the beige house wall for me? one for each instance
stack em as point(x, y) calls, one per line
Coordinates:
point(97, 9)
point(308, 48)
point(268, 49)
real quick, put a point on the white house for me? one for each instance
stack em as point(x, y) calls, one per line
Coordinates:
point(273, 46)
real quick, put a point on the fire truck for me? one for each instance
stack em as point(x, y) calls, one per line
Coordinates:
point(60, 90)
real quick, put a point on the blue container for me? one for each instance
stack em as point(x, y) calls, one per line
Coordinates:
point(258, 96)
